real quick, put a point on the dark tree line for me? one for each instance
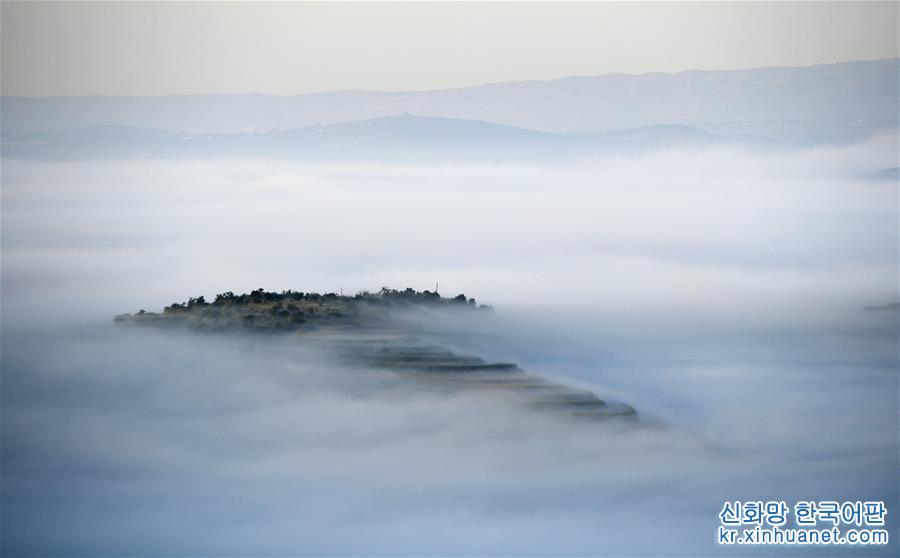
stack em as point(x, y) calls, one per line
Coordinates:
point(384, 296)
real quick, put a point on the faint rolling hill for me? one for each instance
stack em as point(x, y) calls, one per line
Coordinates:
point(393, 138)
point(400, 138)
point(405, 138)
point(649, 137)
point(892, 174)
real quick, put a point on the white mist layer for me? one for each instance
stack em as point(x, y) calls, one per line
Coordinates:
point(720, 292)
point(705, 232)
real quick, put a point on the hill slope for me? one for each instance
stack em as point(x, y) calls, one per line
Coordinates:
point(363, 331)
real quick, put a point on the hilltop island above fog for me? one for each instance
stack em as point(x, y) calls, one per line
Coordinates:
point(373, 331)
point(293, 310)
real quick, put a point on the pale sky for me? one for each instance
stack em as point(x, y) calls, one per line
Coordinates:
point(75, 48)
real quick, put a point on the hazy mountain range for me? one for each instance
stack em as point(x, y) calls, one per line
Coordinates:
point(832, 103)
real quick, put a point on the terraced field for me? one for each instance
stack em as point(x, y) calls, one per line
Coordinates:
point(437, 367)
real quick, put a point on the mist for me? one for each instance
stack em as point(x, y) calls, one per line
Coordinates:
point(722, 292)
point(706, 231)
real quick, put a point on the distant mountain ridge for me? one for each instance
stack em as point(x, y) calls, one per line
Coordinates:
point(407, 138)
point(396, 138)
point(861, 91)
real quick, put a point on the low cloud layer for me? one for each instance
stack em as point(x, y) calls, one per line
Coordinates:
point(709, 231)
point(720, 292)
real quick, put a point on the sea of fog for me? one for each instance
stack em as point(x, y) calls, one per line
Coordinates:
point(737, 298)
